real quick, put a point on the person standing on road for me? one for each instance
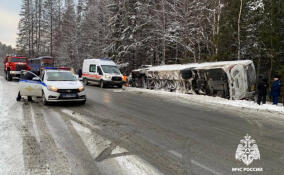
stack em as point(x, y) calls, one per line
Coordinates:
point(80, 73)
point(275, 89)
point(262, 91)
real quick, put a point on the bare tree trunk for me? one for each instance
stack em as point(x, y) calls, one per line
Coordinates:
point(51, 28)
point(199, 51)
point(39, 25)
point(164, 33)
point(176, 42)
point(239, 30)
point(29, 20)
point(32, 30)
point(36, 26)
point(219, 11)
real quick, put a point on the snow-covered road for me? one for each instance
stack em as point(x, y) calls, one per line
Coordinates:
point(134, 131)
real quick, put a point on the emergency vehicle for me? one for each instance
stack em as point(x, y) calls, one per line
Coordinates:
point(102, 72)
point(13, 66)
point(54, 85)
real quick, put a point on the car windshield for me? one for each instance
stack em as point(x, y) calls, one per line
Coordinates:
point(110, 69)
point(18, 60)
point(60, 76)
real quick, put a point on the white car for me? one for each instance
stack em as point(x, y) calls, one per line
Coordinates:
point(52, 86)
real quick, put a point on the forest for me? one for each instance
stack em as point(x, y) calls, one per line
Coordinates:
point(6, 50)
point(143, 32)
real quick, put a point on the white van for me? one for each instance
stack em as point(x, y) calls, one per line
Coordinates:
point(102, 72)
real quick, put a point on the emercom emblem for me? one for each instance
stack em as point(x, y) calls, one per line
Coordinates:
point(247, 150)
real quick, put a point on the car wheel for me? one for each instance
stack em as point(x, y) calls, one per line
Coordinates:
point(85, 81)
point(44, 101)
point(102, 84)
point(83, 102)
point(30, 98)
point(8, 75)
point(120, 86)
point(19, 97)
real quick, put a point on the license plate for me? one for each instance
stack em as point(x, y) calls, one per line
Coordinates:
point(69, 95)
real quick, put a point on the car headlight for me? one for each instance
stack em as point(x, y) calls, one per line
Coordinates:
point(81, 89)
point(108, 76)
point(52, 88)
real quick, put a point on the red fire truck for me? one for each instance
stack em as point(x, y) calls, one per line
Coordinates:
point(13, 66)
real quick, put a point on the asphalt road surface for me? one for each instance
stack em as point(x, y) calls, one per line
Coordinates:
point(158, 135)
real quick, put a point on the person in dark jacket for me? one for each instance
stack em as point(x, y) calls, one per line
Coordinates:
point(262, 91)
point(275, 90)
point(80, 73)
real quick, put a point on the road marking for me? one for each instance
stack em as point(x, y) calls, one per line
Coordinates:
point(35, 125)
point(123, 161)
point(196, 163)
point(79, 118)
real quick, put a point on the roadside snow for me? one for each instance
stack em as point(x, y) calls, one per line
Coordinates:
point(215, 100)
point(11, 155)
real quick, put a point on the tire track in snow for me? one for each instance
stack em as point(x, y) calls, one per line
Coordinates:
point(67, 139)
point(55, 158)
point(34, 159)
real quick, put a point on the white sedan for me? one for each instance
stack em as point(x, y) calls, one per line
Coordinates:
point(52, 86)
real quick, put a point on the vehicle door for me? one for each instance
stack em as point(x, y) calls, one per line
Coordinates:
point(238, 82)
point(93, 72)
point(30, 84)
point(100, 72)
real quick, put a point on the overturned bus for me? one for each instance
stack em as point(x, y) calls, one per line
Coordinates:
point(229, 79)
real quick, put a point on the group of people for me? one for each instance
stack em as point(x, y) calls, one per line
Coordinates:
point(274, 93)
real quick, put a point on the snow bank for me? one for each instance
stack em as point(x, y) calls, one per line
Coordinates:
point(215, 100)
point(11, 153)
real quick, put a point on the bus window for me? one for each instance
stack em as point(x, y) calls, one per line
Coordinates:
point(47, 62)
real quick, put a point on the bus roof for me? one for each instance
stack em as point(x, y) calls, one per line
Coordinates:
point(39, 58)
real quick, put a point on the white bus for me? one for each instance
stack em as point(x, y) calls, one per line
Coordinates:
point(228, 79)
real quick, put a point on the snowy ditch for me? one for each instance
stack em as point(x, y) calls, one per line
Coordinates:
point(110, 158)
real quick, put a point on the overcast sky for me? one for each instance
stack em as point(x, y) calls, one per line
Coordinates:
point(9, 17)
